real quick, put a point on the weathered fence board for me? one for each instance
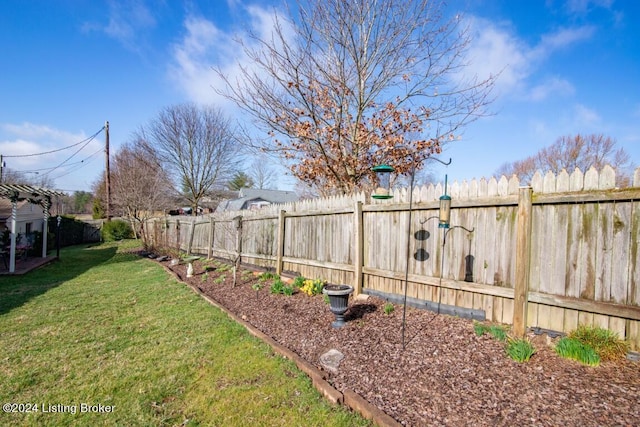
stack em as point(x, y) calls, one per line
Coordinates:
point(582, 266)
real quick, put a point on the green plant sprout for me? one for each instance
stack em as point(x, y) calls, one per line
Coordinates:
point(279, 287)
point(497, 331)
point(256, 287)
point(574, 349)
point(388, 308)
point(520, 349)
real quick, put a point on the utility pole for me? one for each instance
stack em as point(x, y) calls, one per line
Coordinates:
point(107, 179)
point(1, 168)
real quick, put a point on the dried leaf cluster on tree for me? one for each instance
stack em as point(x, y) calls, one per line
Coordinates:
point(344, 86)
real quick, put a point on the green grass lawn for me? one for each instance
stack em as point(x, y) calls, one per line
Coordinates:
point(103, 327)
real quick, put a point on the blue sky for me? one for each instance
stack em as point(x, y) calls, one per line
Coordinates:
point(67, 66)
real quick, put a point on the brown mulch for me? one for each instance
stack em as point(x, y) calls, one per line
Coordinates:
point(445, 375)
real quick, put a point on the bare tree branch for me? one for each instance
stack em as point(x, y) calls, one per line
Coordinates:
point(140, 186)
point(571, 152)
point(197, 147)
point(359, 83)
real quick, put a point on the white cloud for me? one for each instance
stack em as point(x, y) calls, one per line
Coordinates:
point(34, 131)
point(19, 143)
point(585, 117)
point(205, 47)
point(496, 48)
point(581, 7)
point(552, 42)
point(127, 20)
point(552, 87)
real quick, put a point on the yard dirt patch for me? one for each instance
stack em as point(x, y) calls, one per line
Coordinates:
point(446, 375)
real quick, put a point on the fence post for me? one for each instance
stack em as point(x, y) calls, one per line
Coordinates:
point(237, 223)
point(153, 232)
point(212, 225)
point(523, 265)
point(280, 254)
point(165, 234)
point(359, 248)
point(192, 231)
point(178, 235)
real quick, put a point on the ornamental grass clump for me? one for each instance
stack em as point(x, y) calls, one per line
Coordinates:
point(604, 342)
point(591, 345)
point(520, 349)
point(574, 349)
point(267, 275)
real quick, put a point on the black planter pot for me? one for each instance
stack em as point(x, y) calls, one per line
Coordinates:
point(338, 301)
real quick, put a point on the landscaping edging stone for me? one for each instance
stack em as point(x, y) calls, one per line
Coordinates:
point(348, 398)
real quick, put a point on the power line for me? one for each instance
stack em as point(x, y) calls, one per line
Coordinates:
point(70, 164)
point(76, 152)
point(86, 141)
point(79, 164)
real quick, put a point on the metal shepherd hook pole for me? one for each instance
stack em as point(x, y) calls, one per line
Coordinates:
point(408, 252)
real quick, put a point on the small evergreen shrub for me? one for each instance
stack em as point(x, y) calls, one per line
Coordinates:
point(116, 230)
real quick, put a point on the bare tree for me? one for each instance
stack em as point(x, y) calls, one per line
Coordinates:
point(35, 179)
point(262, 174)
point(140, 186)
point(196, 146)
point(347, 85)
point(11, 176)
point(571, 152)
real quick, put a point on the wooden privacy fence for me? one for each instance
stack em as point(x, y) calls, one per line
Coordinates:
point(558, 253)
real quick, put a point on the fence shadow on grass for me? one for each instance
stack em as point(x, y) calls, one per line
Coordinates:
point(75, 260)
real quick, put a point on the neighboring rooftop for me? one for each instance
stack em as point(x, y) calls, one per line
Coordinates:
point(253, 198)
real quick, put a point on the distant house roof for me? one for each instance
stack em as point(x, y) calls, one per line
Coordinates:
point(6, 206)
point(252, 198)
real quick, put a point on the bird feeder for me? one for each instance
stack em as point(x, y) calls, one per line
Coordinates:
point(383, 190)
point(444, 214)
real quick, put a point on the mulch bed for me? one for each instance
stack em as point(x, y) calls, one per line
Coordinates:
point(445, 374)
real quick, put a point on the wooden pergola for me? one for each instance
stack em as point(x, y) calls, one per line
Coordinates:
point(35, 195)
